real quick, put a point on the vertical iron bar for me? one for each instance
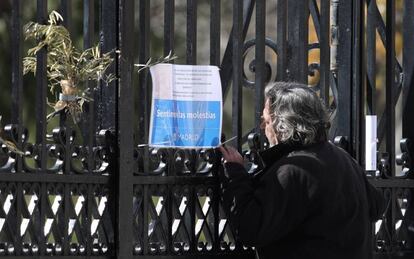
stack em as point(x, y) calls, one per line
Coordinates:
point(89, 125)
point(169, 209)
point(88, 23)
point(324, 52)
point(394, 213)
point(144, 92)
point(260, 63)
point(66, 12)
point(108, 37)
point(41, 90)
point(66, 207)
point(17, 75)
point(408, 87)
point(358, 80)
point(106, 108)
point(408, 71)
point(67, 167)
point(126, 110)
point(143, 89)
point(371, 58)
point(343, 65)
point(237, 39)
point(215, 22)
point(169, 19)
point(19, 206)
point(282, 46)
point(62, 119)
point(298, 14)
point(169, 9)
point(390, 83)
point(43, 207)
point(191, 57)
point(90, 199)
point(226, 64)
point(215, 207)
point(193, 213)
point(215, 25)
point(145, 201)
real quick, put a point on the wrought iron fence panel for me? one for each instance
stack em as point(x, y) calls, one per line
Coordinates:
point(56, 195)
point(393, 237)
point(97, 190)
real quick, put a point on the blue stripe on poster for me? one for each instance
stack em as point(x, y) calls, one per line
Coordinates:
point(186, 123)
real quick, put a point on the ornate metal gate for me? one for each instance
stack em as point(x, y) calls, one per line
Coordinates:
point(103, 195)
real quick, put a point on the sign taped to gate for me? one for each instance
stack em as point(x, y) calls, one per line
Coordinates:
point(186, 109)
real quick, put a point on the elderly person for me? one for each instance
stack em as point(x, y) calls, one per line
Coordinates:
point(312, 199)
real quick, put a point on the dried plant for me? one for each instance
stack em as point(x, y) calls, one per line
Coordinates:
point(67, 67)
point(160, 60)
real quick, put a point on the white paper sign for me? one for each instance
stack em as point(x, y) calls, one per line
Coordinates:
point(371, 142)
point(186, 110)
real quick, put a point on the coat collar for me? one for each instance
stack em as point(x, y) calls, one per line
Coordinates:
point(271, 155)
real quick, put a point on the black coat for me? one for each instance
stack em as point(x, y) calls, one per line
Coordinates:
point(312, 202)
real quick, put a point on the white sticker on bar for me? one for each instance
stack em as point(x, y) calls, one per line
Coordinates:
point(371, 143)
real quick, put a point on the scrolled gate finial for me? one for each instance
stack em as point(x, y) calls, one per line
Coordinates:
point(253, 140)
point(384, 165)
point(255, 162)
point(404, 159)
point(342, 142)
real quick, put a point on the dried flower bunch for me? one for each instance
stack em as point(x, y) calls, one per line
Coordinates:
point(67, 67)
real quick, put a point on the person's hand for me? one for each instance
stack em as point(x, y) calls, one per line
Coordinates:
point(231, 155)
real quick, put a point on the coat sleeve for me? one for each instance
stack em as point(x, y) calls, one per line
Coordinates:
point(262, 211)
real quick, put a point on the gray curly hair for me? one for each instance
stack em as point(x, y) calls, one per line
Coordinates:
point(298, 114)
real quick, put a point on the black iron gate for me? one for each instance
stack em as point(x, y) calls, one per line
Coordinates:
point(106, 196)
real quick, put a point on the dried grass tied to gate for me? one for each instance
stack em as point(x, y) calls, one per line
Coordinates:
point(67, 67)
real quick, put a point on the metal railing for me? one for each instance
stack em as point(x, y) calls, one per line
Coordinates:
point(103, 196)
